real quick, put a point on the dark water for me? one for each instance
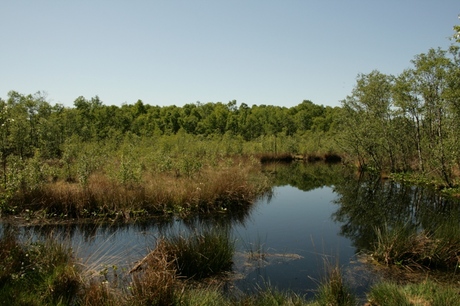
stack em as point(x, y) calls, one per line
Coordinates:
point(316, 215)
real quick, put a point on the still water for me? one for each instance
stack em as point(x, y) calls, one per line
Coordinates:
point(316, 216)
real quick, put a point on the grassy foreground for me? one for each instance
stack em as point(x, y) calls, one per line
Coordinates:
point(46, 273)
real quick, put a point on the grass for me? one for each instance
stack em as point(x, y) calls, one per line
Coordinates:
point(332, 290)
point(405, 245)
point(45, 273)
point(157, 283)
point(202, 253)
point(423, 294)
point(227, 186)
point(38, 273)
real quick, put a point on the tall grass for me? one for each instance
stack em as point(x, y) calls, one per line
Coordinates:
point(407, 245)
point(157, 283)
point(201, 253)
point(228, 186)
point(38, 273)
point(332, 290)
point(272, 297)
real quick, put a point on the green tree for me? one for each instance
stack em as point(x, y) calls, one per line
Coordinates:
point(368, 121)
point(431, 71)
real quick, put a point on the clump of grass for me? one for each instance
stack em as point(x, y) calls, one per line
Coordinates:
point(156, 283)
point(333, 290)
point(99, 293)
point(202, 253)
point(38, 273)
point(425, 293)
point(405, 245)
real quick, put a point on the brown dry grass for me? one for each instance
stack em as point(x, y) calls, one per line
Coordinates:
point(212, 189)
point(155, 281)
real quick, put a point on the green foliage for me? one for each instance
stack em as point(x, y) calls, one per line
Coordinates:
point(407, 122)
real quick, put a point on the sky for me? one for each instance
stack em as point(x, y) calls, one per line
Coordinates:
point(174, 52)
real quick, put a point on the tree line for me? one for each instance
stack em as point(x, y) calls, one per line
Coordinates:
point(30, 122)
point(409, 121)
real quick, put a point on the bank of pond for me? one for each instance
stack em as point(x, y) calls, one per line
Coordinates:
point(321, 234)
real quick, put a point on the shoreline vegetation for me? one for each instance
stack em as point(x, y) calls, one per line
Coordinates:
point(176, 272)
point(170, 176)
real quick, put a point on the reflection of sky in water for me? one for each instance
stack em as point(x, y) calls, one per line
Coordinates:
point(292, 222)
point(295, 222)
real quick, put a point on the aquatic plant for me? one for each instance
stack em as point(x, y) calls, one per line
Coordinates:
point(406, 245)
point(201, 253)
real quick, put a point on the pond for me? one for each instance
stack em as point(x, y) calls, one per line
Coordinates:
point(317, 215)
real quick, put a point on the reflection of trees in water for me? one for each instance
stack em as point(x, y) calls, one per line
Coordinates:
point(305, 176)
point(89, 229)
point(368, 203)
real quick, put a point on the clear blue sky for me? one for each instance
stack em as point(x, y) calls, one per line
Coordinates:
point(176, 52)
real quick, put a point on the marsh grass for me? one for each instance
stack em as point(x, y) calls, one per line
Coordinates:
point(37, 273)
point(156, 283)
point(405, 245)
point(272, 297)
point(208, 296)
point(229, 186)
point(425, 293)
point(201, 253)
point(332, 289)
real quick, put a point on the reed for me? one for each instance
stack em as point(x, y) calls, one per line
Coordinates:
point(226, 187)
point(202, 253)
point(155, 281)
point(333, 290)
point(406, 245)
